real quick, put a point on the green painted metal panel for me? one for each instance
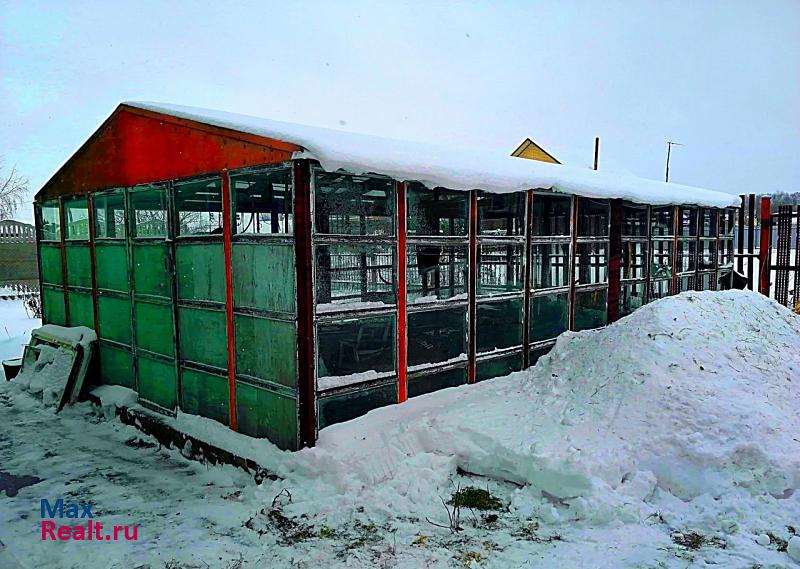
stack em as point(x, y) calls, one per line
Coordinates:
point(154, 329)
point(264, 276)
point(116, 366)
point(266, 349)
point(205, 394)
point(151, 269)
point(498, 367)
point(50, 256)
point(436, 381)
point(111, 265)
point(54, 311)
point(200, 270)
point(203, 336)
point(79, 265)
point(339, 408)
point(81, 309)
point(157, 381)
point(114, 318)
point(262, 413)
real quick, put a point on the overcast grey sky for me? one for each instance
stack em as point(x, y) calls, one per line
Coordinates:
point(721, 77)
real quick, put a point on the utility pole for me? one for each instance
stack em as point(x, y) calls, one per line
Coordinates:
point(670, 144)
point(596, 151)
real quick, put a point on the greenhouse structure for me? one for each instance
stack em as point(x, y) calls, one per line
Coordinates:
point(279, 278)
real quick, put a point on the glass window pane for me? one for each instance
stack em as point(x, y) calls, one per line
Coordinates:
point(708, 255)
point(49, 221)
point(549, 316)
point(149, 211)
point(353, 205)
point(436, 272)
point(549, 263)
point(436, 212)
point(591, 260)
point(728, 222)
point(663, 221)
point(356, 347)
point(631, 298)
point(499, 325)
point(592, 217)
point(662, 259)
point(708, 221)
point(76, 217)
point(500, 269)
point(687, 218)
point(660, 289)
point(498, 367)
point(349, 276)
point(437, 336)
point(109, 215)
point(551, 215)
point(634, 260)
point(726, 253)
point(590, 309)
point(199, 205)
point(634, 220)
point(501, 214)
point(686, 283)
point(687, 250)
point(263, 202)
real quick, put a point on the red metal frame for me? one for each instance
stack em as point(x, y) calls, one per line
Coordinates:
point(226, 237)
point(402, 339)
point(472, 287)
point(614, 260)
point(90, 206)
point(526, 309)
point(572, 251)
point(305, 304)
point(765, 242)
point(676, 224)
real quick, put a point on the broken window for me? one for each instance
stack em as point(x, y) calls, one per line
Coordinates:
point(148, 211)
point(436, 336)
point(109, 215)
point(436, 271)
point(549, 316)
point(551, 215)
point(76, 219)
point(499, 325)
point(199, 206)
point(438, 212)
point(591, 263)
point(549, 265)
point(349, 275)
point(263, 202)
point(49, 221)
point(358, 346)
point(499, 269)
point(353, 205)
point(501, 214)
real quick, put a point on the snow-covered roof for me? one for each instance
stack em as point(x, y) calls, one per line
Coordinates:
point(433, 166)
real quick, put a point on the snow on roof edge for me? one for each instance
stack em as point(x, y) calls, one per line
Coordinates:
point(438, 166)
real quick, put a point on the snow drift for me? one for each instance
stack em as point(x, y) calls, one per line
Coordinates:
point(692, 394)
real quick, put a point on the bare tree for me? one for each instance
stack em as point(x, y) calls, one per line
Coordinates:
point(13, 191)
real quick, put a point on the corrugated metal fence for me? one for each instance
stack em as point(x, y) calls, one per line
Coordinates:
point(17, 251)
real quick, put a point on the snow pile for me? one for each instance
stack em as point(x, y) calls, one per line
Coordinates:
point(457, 169)
point(692, 395)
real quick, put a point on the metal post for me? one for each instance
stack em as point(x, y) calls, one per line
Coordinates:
point(740, 237)
point(402, 315)
point(526, 309)
point(62, 220)
point(751, 241)
point(92, 261)
point(614, 260)
point(765, 246)
point(676, 229)
point(596, 151)
point(472, 288)
point(572, 252)
point(228, 251)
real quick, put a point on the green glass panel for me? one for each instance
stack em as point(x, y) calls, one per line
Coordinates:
point(500, 269)
point(151, 269)
point(50, 258)
point(205, 394)
point(501, 214)
point(631, 298)
point(116, 366)
point(79, 265)
point(590, 309)
point(114, 315)
point(353, 205)
point(154, 330)
point(54, 311)
point(49, 221)
point(76, 218)
point(549, 316)
point(499, 325)
point(436, 381)
point(343, 407)
point(264, 276)
point(499, 367)
point(436, 336)
point(111, 265)
point(203, 336)
point(263, 201)
point(356, 346)
point(266, 349)
point(199, 205)
point(81, 309)
point(436, 212)
point(551, 215)
point(149, 211)
point(157, 381)
point(266, 414)
point(109, 215)
point(200, 270)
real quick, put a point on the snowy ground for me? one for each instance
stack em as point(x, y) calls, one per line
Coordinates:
point(669, 439)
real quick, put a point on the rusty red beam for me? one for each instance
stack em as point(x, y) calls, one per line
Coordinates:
point(614, 260)
point(402, 317)
point(526, 309)
point(227, 247)
point(765, 243)
point(472, 287)
point(573, 251)
point(676, 227)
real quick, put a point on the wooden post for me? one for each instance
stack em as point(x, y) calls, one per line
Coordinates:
point(228, 251)
point(764, 246)
point(402, 315)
